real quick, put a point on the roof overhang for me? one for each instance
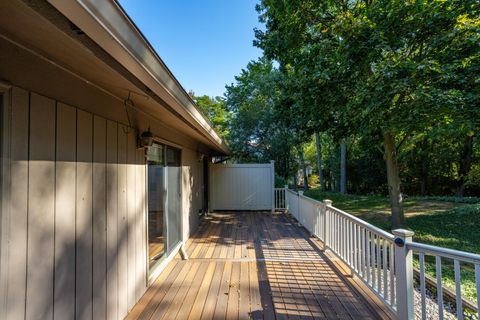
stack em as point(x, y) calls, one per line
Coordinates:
point(107, 24)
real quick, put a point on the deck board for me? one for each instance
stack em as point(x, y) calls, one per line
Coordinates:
point(252, 266)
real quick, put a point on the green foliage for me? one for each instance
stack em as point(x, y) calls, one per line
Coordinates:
point(359, 70)
point(257, 133)
point(215, 110)
point(280, 182)
point(314, 181)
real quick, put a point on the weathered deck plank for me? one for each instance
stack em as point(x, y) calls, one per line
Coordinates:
point(252, 266)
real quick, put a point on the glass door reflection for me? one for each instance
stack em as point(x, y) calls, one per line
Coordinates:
point(156, 203)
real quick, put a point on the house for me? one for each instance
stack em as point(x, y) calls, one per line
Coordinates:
point(106, 168)
point(82, 93)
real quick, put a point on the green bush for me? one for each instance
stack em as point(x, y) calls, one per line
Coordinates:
point(280, 182)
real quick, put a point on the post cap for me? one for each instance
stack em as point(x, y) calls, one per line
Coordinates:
point(300, 192)
point(328, 202)
point(404, 233)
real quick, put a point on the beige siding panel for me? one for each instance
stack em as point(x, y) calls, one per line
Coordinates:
point(112, 220)
point(64, 304)
point(41, 204)
point(131, 218)
point(140, 223)
point(122, 223)
point(99, 219)
point(84, 216)
point(192, 191)
point(17, 255)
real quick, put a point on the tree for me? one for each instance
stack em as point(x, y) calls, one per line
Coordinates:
point(216, 111)
point(381, 68)
point(319, 161)
point(256, 132)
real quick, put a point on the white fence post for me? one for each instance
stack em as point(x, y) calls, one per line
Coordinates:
point(326, 226)
point(404, 274)
point(272, 162)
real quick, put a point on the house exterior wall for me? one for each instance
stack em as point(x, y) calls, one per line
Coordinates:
point(193, 189)
point(74, 236)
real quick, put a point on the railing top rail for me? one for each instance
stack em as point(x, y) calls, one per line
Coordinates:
point(367, 225)
point(291, 191)
point(320, 203)
point(444, 252)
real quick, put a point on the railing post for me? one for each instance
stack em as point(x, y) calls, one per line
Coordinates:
point(272, 170)
point(285, 188)
point(326, 227)
point(404, 274)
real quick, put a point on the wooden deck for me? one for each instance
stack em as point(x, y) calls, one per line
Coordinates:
point(251, 266)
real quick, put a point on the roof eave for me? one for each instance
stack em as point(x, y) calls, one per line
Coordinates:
point(109, 26)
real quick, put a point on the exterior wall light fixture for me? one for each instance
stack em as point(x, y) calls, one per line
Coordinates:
point(146, 139)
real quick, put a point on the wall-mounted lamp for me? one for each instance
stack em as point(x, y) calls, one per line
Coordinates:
point(146, 139)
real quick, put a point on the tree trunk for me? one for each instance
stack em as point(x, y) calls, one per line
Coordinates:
point(332, 174)
point(304, 169)
point(465, 164)
point(319, 162)
point(393, 178)
point(343, 168)
point(424, 168)
point(332, 181)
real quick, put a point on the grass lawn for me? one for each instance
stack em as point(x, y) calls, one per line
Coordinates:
point(441, 223)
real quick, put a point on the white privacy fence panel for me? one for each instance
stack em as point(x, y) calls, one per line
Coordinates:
point(383, 261)
point(242, 186)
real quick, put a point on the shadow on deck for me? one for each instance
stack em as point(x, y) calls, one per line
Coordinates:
point(252, 266)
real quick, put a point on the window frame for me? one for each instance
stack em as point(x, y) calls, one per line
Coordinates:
point(5, 134)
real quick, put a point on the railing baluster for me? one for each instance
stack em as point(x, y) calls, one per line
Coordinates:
point(438, 266)
point(335, 236)
point(392, 274)
point(349, 243)
point(379, 266)
point(458, 290)
point(342, 237)
point(341, 242)
point(372, 256)
point(362, 235)
point(355, 247)
point(422, 285)
point(385, 274)
point(367, 249)
point(477, 284)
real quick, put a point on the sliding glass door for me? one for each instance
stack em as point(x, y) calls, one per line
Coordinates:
point(164, 201)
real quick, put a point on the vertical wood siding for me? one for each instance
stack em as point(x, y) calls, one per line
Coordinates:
point(76, 216)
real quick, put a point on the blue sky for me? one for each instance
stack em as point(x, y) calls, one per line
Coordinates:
point(205, 43)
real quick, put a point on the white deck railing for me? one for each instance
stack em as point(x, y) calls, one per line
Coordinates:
point(383, 261)
point(279, 199)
